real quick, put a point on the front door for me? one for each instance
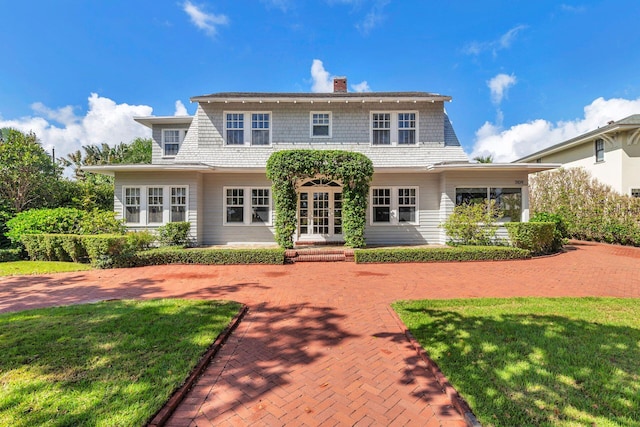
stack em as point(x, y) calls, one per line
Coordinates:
point(320, 214)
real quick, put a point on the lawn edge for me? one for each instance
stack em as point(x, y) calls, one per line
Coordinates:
point(162, 416)
point(458, 401)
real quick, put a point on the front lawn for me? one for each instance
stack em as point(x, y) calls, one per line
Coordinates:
point(39, 267)
point(536, 361)
point(107, 364)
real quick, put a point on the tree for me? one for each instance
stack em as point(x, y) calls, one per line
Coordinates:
point(484, 159)
point(28, 175)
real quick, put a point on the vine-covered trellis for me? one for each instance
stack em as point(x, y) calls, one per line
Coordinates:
point(354, 170)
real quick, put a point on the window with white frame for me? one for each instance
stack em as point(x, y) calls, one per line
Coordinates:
point(155, 205)
point(132, 206)
point(257, 126)
point(394, 205)
point(406, 128)
point(320, 124)
point(247, 205)
point(171, 140)
point(394, 128)
point(599, 150)
point(381, 128)
point(178, 206)
point(508, 200)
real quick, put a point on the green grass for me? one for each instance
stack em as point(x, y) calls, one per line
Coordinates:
point(536, 361)
point(106, 364)
point(39, 267)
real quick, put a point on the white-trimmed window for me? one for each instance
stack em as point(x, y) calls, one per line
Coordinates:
point(394, 205)
point(599, 147)
point(508, 200)
point(132, 205)
point(381, 128)
point(394, 128)
point(247, 128)
point(178, 205)
point(171, 140)
point(247, 205)
point(155, 205)
point(320, 124)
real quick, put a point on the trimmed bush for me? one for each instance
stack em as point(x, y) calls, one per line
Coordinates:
point(8, 255)
point(107, 250)
point(458, 253)
point(53, 247)
point(173, 255)
point(174, 234)
point(537, 237)
point(473, 224)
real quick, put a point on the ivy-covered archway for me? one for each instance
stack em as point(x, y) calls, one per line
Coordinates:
point(354, 170)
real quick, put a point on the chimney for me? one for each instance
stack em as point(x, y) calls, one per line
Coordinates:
point(339, 85)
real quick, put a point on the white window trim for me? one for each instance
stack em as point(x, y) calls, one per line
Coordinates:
point(246, 206)
point(394, 211)
point(394, 128)
point(144, 201)
point(488, 193)
point(181, 134)
point(311, 135)
point(247, 130)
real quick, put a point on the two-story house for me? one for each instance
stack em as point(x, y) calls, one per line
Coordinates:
point(611, 154)
point(209, 169)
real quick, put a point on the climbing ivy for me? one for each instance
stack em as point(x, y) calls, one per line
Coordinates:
point(287, 168)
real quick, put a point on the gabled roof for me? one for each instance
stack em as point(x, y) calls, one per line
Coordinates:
point(310, 97)
point(628, 123)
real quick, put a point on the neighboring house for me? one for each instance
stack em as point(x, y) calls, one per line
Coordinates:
point(209, 169)
point(610, 153)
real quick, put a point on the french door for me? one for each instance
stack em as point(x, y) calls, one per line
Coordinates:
point(320, 214)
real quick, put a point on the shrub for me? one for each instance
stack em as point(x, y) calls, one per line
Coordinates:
point(8, 255)
point(473, 224)
point(107, 250)
point(537, 237)
point(173, 255)
point(458, 253)
point(174, 234)
point(140, 240)
point(62, 221)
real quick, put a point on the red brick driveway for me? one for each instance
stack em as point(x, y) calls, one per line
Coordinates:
point(319, 345)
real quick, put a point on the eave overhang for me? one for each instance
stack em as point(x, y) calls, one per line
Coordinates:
point(326, 98)
point(111, 170)
point(494, 167)
point(150, 121)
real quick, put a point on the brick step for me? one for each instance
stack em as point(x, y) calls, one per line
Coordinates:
point(320, 258)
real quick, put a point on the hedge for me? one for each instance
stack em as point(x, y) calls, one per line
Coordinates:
point(458, 253)
point(102, 250)
point(538, 237)
point(8, 255)
point(164, 256)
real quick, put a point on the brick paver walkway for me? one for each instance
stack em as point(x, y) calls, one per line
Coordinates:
point(319, 345)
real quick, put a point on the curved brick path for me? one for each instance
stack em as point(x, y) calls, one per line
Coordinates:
point(319, 345)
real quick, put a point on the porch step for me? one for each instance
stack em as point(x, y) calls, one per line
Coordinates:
point(319, 255)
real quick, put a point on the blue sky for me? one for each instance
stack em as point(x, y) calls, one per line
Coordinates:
point(523, 74)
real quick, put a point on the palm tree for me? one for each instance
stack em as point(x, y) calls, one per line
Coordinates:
point(484, 159)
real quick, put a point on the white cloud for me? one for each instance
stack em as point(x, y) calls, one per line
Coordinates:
point(322, 80)
point(62, 129)
point(503, 42)
point(361, 87)
point(523, 139)
point(320, 77)
point(499, 86)
point(181, 110)
point(207, 22)
point(373, 18)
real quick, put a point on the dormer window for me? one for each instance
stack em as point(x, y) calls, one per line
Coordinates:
point(171, 140)
point(247, 128)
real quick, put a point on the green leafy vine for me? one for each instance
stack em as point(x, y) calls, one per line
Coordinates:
point(287, 168)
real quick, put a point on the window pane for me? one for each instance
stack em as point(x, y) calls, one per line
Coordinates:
point(320, 130)
point(132, 214)
point(381, 125)
point(381, 137)
point(154, 205)
point(260, 137)
point(381, 214)
point(171, 149)
point(172, 136)
point(260, 205)
point(467, 196)
point(235, 137)
point(599, 150)
point(407, 214)
point(178, 213)
point(406, 137)
point(178, 204)
point(235, 214)
point(235, 205)
point(509, 201)
point(235, 126)
point(132, 205)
